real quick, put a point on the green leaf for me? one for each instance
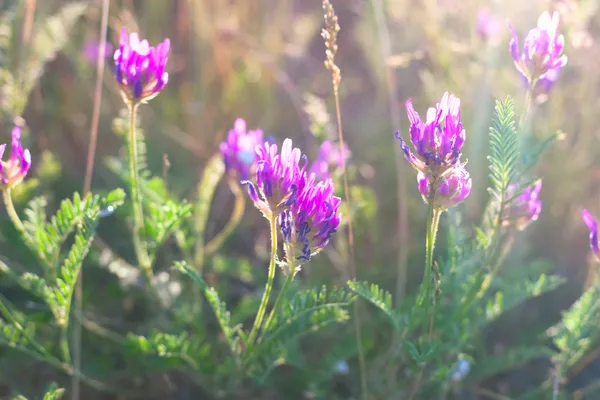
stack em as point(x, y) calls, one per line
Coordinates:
point(504, 152)
point(162, 221)
point(219, 308)
point(54, 392)
point(379, 298)
point(308, 311)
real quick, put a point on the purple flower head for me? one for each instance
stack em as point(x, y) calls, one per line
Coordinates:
point(542, 49)
point(330, 155)
point(140, 68)
point(91, 49)
point(308, 224)
point(488, 26)
point(448, 190)
point(525, 208)
point(238, 150)
point(437, 142)
point(593, 227)
point(13, 171)
point(277, 177)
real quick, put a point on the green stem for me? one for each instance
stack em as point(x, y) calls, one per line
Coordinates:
point(138, 211)
point(433, 220)
point(269, 286)
point(279, 300)
point(236, 216)
point(12, 213)
point(64, 344)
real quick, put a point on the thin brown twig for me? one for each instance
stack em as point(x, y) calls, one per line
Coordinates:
point(87, 183)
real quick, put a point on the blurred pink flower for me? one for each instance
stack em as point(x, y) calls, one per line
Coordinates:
point(91, 48)
point(488, 26)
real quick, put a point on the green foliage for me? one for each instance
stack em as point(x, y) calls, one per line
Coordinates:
point(578, 329)
point(504, 151)
point(222, 314)
point(307, 311)
point(54, 392)
point(380, 299)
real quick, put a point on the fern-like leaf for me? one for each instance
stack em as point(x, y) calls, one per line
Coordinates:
point(380, 298)
point(219, 308)
point(172, 349)
point(307, 311)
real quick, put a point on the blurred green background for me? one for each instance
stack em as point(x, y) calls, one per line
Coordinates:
point(260, 59)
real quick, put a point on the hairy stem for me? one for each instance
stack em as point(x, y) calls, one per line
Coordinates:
point(138, 211)
point(236, 216)
point(433, 220)
point(280, 297)
point(12, 214)
point(269, 286)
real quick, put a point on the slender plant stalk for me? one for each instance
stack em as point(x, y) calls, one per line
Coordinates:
point(12, 213)
point(87, 184)
point(138, 211)
point(236, 216)
point(280, 297)
point(64, 344)
point(269, 286)
point(433, 220)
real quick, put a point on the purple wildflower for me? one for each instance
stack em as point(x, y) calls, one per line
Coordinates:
point(488, 26)
point(238, 150)
point(437, 142)
point(449, 190)
point(309, 223)
point(13, 171)
point(277, 177)
point(525, 208)
point(593, 227)
point(140, 68)
point(542, 49)
point(91, 49)
point(329, 155)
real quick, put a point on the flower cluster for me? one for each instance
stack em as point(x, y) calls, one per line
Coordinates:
point(238, 149)
point(542, 49)
point(140, 68)
point(13, 171)
point(524, 208)
point(330, 155)
point(306, 210)
point(589, 220)
point(437, 142)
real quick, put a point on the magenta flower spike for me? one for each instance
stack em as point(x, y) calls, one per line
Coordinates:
point(277, 177)
point(238, 150)
point(437, 143)
point(542, 49)
point(13, 171)
point(590, 222)
point(140, 68)
point(309, 223)
point(525, 208)
point(330, 155)
point(450, 190)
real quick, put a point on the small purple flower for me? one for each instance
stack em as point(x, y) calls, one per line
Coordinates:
point(488, 26)
point(525, 208)
point(542, 49)
point(140, 68)
point(449, 190)
point(13, 171)
point(437, 142)
point(308, 224)
point(329, 155)
point(238, 150)
point(277, 177)
point(91, 49)
point(593, 227)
